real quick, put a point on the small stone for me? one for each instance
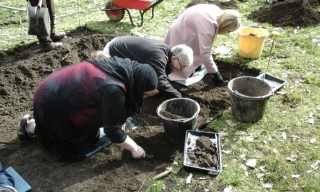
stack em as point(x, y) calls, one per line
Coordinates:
point(203, 142)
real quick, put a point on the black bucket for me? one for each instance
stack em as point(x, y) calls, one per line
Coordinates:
point(185, 112)
point(249, 96)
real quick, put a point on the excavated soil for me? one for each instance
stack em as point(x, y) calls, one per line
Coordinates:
point(112, 169)
point(294, 13)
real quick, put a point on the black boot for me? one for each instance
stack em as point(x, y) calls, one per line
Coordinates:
point(23, 134)
point(55, 36)
point(54, 45)
point(47, 44)
point(50, 45)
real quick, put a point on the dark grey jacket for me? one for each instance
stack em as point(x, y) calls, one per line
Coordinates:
point(149, 51)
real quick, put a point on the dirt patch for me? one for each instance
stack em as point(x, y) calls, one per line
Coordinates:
point(288, 13)
point(293, 13)
point(112, 169)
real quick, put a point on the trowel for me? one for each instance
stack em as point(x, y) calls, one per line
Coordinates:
point(208, 121)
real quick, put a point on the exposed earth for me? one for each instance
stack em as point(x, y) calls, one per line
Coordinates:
point(294, 13)
point(112, 169)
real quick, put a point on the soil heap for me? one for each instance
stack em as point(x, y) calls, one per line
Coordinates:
point(292, 13)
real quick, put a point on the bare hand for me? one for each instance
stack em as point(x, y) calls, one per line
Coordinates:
point(139, 153)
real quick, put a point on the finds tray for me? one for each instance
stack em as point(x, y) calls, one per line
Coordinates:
point(275, 83)
point(202, 152)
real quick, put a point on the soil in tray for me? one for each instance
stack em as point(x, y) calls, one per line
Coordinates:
point(205, 153)
point(171, 115)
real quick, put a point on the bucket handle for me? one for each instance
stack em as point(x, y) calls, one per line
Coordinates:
point(257, 26)
point(245, 96)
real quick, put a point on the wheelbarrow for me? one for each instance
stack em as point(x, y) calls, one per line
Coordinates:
point(115, 9)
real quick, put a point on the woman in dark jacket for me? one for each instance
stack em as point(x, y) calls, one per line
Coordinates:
point(71, 104)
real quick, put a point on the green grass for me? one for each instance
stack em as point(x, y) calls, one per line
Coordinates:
point(280, 142)
point(156, 185)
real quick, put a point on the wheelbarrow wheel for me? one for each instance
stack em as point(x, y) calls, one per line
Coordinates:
point(114, 12)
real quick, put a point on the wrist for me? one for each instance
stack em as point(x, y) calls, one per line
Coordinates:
point(128, 144)
point(136, 151)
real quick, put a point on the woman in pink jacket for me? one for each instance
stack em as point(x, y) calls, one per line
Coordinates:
point(197, 27)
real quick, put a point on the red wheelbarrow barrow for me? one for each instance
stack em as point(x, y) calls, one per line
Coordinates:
point(115, 9)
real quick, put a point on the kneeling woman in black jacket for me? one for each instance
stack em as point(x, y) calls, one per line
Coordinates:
point(71, 104)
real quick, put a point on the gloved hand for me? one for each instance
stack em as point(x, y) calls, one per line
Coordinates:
point(217, 78)
point(139, 153)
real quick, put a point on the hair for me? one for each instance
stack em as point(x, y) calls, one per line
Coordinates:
point(99, 55)
point(229, 19)
point(184, 53)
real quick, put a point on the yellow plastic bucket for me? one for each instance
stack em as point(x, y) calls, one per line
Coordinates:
point(251, 41)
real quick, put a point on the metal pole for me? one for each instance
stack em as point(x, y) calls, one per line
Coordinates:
point(79, 13)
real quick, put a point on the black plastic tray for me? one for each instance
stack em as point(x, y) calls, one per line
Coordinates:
point(191, 136)
point(275, 83)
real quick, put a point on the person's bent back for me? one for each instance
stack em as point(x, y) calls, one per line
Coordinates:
point(164, 59)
